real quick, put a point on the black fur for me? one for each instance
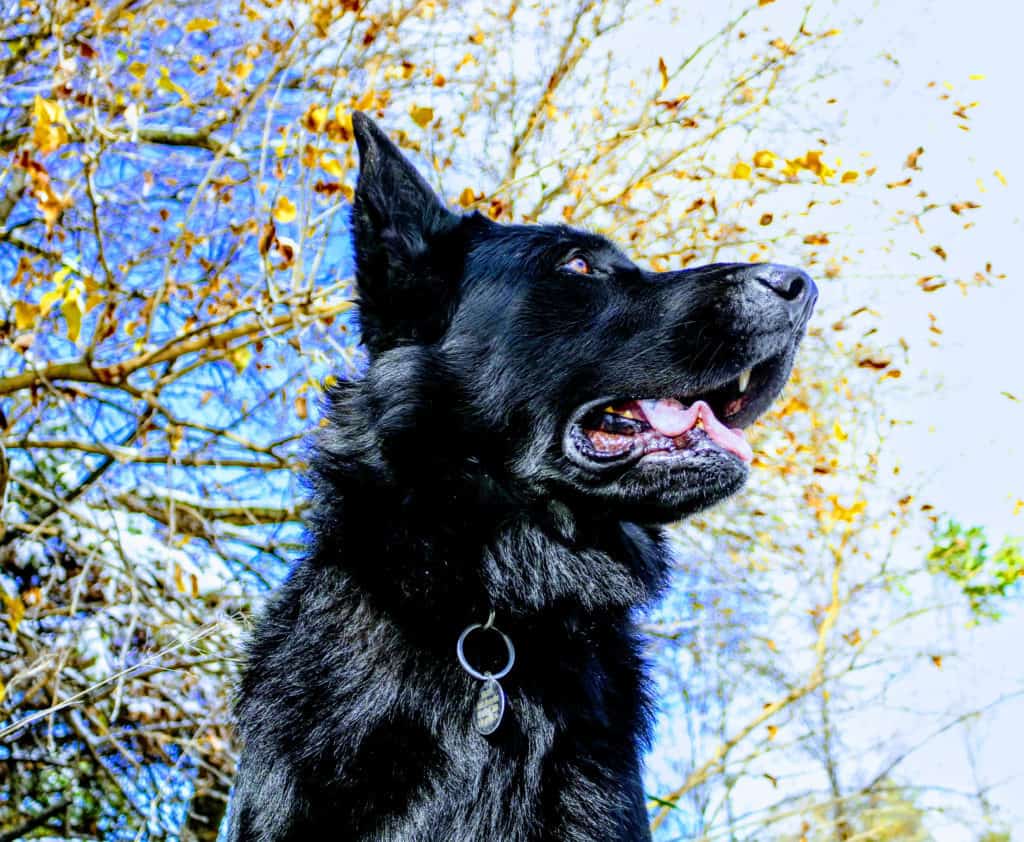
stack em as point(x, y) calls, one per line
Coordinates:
point(448, 484)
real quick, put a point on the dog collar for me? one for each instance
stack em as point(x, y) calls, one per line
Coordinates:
point(490, 698)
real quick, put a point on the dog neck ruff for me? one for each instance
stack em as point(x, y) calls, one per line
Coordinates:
point(490, 699)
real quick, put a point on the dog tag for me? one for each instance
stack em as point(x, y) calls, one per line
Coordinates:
point(490, 707)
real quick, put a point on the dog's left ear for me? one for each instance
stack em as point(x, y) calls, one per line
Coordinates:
point(407, 249)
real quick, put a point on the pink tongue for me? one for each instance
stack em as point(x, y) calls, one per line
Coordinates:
point(670, 418)
point(729, 438)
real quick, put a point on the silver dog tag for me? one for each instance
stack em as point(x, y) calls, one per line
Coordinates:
point(490, 707)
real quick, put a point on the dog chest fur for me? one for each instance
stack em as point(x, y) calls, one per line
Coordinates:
point(361, 707)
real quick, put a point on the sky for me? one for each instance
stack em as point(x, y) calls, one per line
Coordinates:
point(961, 449)
point(968, 457)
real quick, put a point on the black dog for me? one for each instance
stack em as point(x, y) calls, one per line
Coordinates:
point(535, 406)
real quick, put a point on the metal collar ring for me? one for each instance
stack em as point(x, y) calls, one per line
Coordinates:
point(476, 673)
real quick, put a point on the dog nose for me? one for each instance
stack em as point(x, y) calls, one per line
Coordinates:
point(790, 284)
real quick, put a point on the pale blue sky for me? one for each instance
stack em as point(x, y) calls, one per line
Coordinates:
point(962, 450)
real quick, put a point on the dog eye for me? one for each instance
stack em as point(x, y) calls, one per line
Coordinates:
point(579, 265)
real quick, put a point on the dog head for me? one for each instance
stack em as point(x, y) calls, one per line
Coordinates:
point(546, 356)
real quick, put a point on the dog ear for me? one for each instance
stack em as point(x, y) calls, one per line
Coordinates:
point(408, 260)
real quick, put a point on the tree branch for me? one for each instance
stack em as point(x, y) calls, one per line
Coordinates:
point(114, 375)
point(30, 824)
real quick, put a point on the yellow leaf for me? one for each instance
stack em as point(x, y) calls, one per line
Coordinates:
point(839, 432)
point(72, 309)
point(310, 156)
point(15, 609)
point(421, 115)
point(47, 301)
point(138, 69)
point(282, 147)
point(741, 169)
point(301, 409)
point(332, 166)
point(847, 514)
point(240, 358)
point(366, 101)
point(812, 161)
point(404, 70)
point(284, 209)
point(773, 731)
point(766, 219)
point(200, 25)
point(50, 124)
point(242, 69)
point(222, 88)
point(166, 83)
point(764, 159)
point(467, 197)
point(339, 130)
point(344, 117)
point(25, 314)
point(315, 118)
point(1002, 178)
point(179, 580)
point(663, 72)
point(976, 77)
point(850, 176)
point(50, 112)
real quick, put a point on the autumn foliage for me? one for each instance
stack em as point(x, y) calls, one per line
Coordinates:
point(176, 288)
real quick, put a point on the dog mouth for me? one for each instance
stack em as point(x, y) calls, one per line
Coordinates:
point(616, 430)
point(658, 426)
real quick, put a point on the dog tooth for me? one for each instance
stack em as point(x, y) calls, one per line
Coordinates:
point(743, 380)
